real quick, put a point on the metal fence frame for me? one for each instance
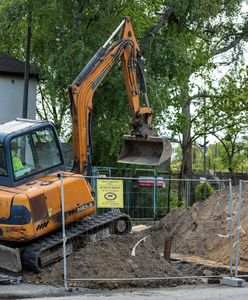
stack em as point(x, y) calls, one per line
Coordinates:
point(237, 243)
point(220, 182)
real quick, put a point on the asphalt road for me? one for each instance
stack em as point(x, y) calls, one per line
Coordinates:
point(214, 292)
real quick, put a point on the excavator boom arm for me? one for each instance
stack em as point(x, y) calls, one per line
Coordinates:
point(84, 86)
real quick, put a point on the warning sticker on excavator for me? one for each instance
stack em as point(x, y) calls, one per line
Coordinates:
point(109, 193)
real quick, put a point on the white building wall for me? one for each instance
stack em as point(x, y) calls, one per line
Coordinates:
point(11, 98)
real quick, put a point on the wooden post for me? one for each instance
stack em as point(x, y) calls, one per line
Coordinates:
point(167, 248)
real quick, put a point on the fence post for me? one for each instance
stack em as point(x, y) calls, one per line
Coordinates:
point(186, 193)
point(128, 194)
point(239, 227)
point(169, 194)
point(231, 225)
point(63, 229)
point(93, 180)
point(155, 199)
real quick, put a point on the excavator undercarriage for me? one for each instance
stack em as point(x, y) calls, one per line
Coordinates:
point(48, 249)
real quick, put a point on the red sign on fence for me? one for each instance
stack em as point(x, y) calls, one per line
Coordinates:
point(149, 181)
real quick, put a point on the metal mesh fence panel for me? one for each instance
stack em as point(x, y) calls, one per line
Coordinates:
point(166, 243)
point(240, 241)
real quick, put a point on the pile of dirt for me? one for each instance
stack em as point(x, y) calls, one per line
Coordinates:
point(202, 230)
point(110, 258)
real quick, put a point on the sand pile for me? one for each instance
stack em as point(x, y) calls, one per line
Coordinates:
point(203, 229)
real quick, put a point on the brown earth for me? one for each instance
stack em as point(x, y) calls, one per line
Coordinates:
point(110, 258)
point(198, 231)
point(203, 230)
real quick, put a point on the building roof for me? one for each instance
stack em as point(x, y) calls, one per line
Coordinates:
point(13, 66)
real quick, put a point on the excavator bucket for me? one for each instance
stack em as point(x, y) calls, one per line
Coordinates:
point(151, 151)
point(10, 259)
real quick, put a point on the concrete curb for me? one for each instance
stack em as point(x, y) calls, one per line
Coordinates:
point(21, 291)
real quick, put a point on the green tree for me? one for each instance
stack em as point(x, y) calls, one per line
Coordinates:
point(180, 41)
point(65, 35)
point(188, 38)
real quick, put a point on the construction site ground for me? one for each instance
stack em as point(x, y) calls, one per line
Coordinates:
point(200, 246)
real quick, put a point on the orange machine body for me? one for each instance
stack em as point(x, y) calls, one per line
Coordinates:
point(41, 201)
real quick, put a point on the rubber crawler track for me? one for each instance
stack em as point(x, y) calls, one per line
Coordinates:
point(90, 225)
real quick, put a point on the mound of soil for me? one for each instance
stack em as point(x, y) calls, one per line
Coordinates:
point(202, 230)
point(110, 258)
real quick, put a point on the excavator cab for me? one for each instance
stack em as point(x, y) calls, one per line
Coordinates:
point(27, 150)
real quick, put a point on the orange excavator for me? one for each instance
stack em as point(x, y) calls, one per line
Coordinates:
point(32, 164)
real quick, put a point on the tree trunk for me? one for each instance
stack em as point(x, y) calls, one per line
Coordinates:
point(230, 168)
point(186, 166)
point(186, 169)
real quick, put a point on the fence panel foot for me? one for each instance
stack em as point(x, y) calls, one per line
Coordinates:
point(233, 281)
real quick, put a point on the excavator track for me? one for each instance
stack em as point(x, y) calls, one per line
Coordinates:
point(47, 250)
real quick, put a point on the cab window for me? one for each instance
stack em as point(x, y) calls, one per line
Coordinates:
point(34, 152)
point(3, 170)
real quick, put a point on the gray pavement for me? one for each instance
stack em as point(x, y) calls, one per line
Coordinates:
point(205, 292)
point(21, 291)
